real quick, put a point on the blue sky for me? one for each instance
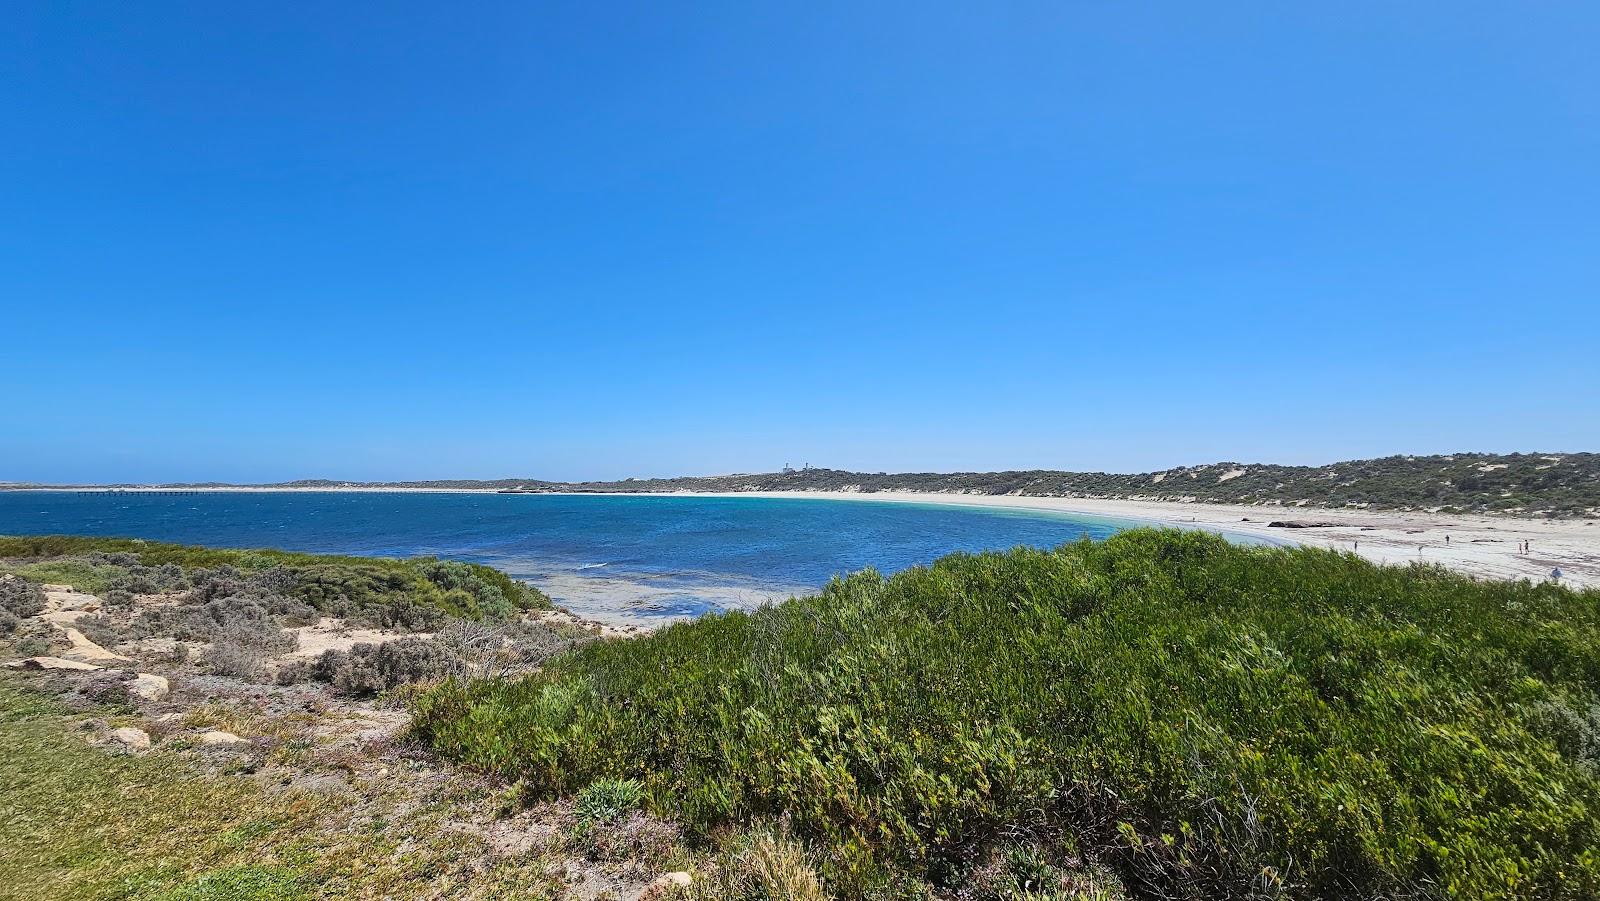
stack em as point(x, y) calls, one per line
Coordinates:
point(255, 241)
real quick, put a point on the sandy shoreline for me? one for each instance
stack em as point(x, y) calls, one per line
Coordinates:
point(1484, 546)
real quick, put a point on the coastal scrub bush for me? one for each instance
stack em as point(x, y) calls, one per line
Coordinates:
point(461, 647)
point(368, 669)
point(487, 592)
point(83, 574)
point(493, 648)
point(415, 595)
point(644, 845)
point(759, 865)
point(135, 578)
point(20, 597)
point(99, 629)
point(241, 660)
point(607, 800)
point(1202, 719)
point(256, 623)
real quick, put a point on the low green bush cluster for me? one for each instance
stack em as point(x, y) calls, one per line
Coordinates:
point(1205, 720)
point(607, 800)
point(19, 599)
point(461, 647)
point(418, 594)
point(368, 669)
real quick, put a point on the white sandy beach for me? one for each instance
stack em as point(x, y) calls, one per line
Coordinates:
point(1483, 546)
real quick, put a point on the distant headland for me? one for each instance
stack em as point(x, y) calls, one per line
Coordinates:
point(1551, 485)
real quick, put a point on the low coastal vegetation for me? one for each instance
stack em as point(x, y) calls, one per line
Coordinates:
point(240, 613)
point(1159, 715)
point(258, 822)
point(1552, 485)
point(415, 593)
point(165, 737)
point(1524, 484)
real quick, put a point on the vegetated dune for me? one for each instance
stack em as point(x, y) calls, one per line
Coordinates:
point(1552, 485)
point(1197, 719)
point(1536, 484)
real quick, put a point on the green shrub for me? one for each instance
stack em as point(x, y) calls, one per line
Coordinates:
point(251, 622)
point(234, 658)
point(99, 629)
point(86, 575)
point(20, 597)
point(368, 669)
point(607, 800)
point(1204, 719)
point(416, 595)
point(31, 646)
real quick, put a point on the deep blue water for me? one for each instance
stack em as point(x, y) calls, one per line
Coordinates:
point(614, 557)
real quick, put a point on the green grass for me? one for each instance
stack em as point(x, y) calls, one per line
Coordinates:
point(1203, 719)
point(78, 822)
point(84, 575)
point(244, 883)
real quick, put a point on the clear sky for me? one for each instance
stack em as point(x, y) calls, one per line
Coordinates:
point(258, 241)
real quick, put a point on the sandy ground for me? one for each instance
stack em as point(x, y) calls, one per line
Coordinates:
point(330, 634)
point(1482, 546)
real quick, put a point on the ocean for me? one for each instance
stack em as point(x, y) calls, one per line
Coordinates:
point(615, 558)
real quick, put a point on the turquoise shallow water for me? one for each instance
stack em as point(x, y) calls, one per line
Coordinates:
point(619, 558)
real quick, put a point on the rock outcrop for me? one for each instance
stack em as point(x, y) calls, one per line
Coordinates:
point(216, 738)
point(131, 738)
point(149, 686)
point(667, 885)
point(53, 663)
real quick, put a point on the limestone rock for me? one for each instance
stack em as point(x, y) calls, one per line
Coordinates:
point(216, 738)
point(86, 650)
point(63, 606)
point(149, 686)
point(57, 663)
point(153, 646)
point(667, 885)
point(131, 738)
point(64, 598)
